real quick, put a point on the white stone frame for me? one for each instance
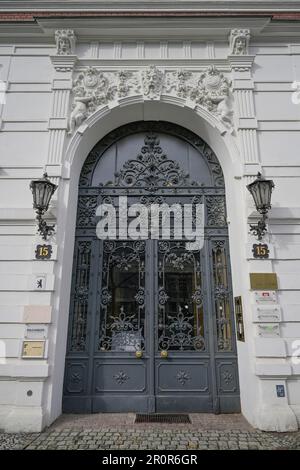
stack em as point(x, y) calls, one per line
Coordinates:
point(94, 129)
point(255, 403)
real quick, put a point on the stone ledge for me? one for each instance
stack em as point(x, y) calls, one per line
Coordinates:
point(22, 370)
point(273, 370)
point(279, 213)
point(270, 347)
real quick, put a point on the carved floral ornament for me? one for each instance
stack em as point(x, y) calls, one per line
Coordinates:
point(93, 88)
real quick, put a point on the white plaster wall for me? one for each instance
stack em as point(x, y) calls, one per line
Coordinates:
point(25, 142)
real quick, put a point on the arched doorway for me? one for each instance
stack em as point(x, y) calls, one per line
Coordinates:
point(151, 324)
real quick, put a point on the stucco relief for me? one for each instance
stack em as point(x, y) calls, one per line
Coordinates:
point(152, 81)
point(65, 41)
point(239, 41)
point(93, 88)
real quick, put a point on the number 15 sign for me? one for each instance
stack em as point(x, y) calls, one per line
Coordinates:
point(43, 252)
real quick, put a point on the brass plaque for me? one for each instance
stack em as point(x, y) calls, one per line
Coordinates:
point(263, 281)
point(33, 349)
point(239, 320)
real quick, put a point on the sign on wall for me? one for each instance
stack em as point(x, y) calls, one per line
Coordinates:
point(263, 281)
point(260, 251)
point(36, 331)
point(43, 252)
point(262, 297)
point(39, 282)
point(33, 349)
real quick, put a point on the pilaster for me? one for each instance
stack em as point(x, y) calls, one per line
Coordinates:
point(63, 63)
point(246, 122)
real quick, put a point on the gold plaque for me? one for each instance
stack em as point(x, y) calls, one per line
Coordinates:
point(239, 320)
point(33, 349)
point(263, 281)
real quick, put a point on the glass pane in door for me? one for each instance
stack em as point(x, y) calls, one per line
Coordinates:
point(122, 314)
point(180, 325)
point(222, 295)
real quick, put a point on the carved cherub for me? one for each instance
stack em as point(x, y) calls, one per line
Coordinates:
point(79, 112)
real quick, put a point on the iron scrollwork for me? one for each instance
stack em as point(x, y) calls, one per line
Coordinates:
point(175, 175)
point(179, 333)
point(216, 213)
point(152, 169)
point(86, 211)
point(80, 297)
point(222, 295)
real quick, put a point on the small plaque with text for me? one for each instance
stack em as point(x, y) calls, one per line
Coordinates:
point(43, 252)
point(260, 251)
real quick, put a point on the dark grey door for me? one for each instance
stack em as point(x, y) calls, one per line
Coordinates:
point(151, 323)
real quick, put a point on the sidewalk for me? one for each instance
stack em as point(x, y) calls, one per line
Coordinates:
point(118, 431)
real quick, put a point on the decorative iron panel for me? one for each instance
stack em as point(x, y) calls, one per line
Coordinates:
point(80, 297)
point(222, 295)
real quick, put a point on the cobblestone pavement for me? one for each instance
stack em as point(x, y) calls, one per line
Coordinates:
point(107, 432)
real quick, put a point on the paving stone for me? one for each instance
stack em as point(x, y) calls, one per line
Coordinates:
point(149, 438)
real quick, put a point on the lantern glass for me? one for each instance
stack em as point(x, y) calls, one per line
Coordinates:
point(42, 191)
point(261, 191)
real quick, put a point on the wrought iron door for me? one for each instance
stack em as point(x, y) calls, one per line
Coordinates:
point(151, 323)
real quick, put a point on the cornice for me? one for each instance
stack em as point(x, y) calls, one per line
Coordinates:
point(147, 6)
point(120, 19)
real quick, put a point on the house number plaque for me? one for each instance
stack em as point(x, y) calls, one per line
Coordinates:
point(43, 252)
point(260, 251)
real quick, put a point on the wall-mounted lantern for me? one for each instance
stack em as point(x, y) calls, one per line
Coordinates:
point(261, 191)
point(42, 191)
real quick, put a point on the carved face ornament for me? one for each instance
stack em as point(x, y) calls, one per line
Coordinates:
point(240, 45)
point(64, 45)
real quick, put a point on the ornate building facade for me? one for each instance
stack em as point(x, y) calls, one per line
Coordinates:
point(161, 102)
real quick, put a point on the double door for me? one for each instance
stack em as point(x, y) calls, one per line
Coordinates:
point(152, 328)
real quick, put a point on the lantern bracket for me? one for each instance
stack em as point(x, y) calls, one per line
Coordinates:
point(44, 229)
point(260, 229)
point(42, 191)
point(261, 191)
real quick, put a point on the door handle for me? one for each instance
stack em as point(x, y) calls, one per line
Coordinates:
point(163, 354)
point(138, 354)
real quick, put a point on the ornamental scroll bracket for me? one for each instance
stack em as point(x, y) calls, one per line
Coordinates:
point(93, 88)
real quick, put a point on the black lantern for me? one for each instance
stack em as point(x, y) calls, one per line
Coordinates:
point(261, 191)
point(42, 191)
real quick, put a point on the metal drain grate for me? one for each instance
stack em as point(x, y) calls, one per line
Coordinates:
point(162, 418)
